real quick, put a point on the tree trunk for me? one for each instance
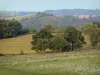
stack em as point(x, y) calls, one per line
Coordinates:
point(72, 46)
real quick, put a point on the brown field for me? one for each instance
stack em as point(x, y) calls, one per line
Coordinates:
point(16, 44)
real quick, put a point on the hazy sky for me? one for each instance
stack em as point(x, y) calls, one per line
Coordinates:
point(41, 5)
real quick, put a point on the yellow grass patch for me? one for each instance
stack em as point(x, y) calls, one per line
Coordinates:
point(16, 44)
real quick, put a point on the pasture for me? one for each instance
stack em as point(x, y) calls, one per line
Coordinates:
point(65, 63)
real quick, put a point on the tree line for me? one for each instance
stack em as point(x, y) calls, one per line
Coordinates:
point(12, 28)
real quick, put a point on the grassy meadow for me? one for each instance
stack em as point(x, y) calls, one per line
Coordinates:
point(67, 63)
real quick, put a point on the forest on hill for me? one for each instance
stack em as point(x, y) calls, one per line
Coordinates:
point(40, 19)
point(37, 20)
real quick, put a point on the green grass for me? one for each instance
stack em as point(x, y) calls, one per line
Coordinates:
point(19, 18)
point(68, 63)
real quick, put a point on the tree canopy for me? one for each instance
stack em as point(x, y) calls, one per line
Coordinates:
point(10, 28)
point(70, 39)
point(93, 32)
point(74, 37)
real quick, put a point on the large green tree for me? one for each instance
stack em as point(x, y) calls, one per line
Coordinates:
point(10, 28)
point(59, 43)
point(41, 40)
point(93, 32)
point(44, 33)
point(74, 37)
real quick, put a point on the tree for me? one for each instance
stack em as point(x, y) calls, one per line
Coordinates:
point(2, 27)
point(74, 37)
point(41, 44)
point(93, 32)
point(87, 28)
point(41, 40)
point(10, 28)
point(49, 27)
point(58, 43)
point(44, 33)
point(25, 30)
point(31, 30)
point(95, 36)
point(97, 23)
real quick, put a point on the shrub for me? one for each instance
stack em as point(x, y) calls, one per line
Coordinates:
point(21, 52)
point(1, 54)
point(98, 46)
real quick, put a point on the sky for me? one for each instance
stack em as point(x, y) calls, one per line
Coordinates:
point(41, 5)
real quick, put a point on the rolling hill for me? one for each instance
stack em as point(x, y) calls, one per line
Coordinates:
point(10, 14)
point(38, 20)
point(63, 12)
point(58, 18)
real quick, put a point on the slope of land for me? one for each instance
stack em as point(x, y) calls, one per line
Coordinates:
point(16, 44)
point(38, 20)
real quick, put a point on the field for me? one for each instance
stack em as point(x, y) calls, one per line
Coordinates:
point(16, 44)
point(84, 61)
point(68, 63)
point(22, 17)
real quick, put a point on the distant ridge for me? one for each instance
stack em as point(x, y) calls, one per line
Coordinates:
point(62, 12)
point(7, 14)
